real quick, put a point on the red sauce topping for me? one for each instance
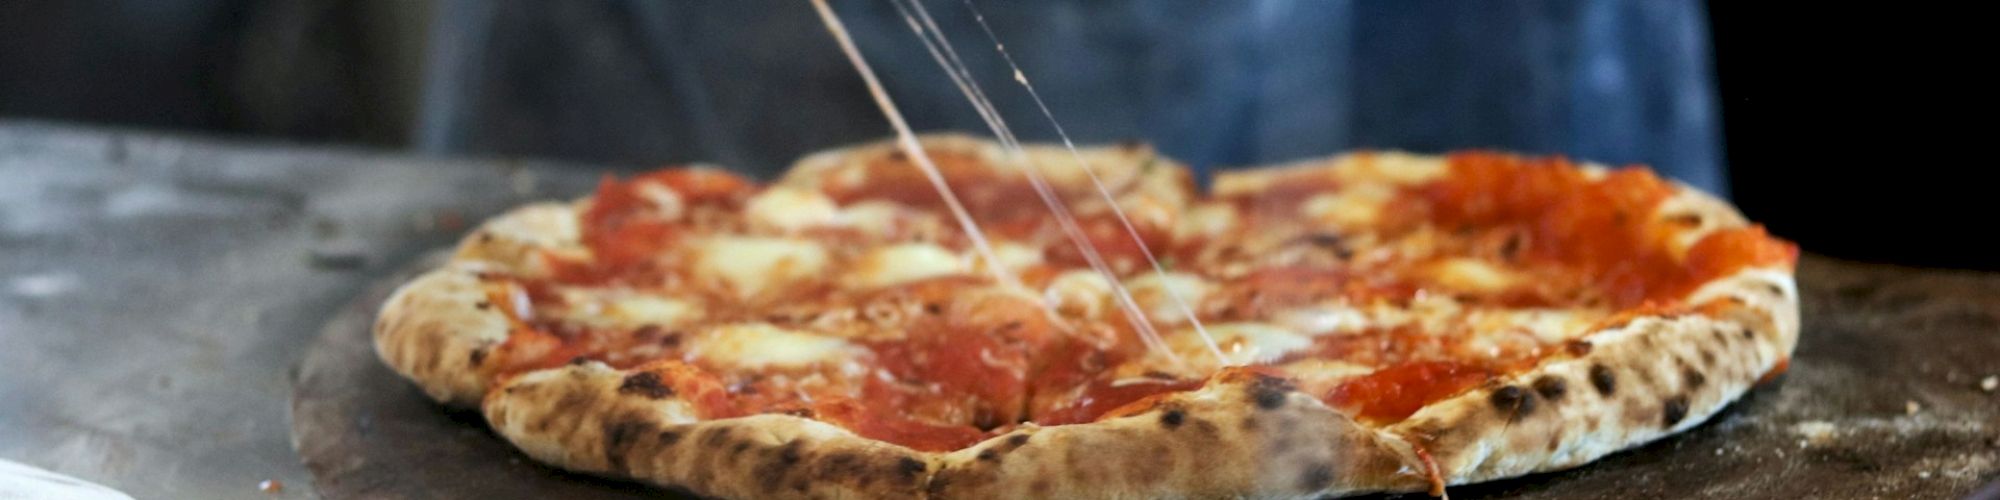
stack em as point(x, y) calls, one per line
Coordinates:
point(1392, 394)
point(1102, 397)
point(624, 230)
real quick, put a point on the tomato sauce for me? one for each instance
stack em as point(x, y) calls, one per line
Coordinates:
point(1103, 397)
point(1392, 394)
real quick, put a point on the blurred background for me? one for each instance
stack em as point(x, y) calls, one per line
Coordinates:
point(1704, 92)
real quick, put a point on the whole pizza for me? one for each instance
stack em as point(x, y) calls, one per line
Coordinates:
point(1375, 321)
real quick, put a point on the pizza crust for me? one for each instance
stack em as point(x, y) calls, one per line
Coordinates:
point(1248, 435)
point(1634, 383)
point(437, 331)
point(590, 418)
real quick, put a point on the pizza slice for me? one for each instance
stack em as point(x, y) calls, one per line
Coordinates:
point(1370, 322)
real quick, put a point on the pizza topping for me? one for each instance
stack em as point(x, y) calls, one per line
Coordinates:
point(1392, 394)
point(751, 266)
point(1379, 282)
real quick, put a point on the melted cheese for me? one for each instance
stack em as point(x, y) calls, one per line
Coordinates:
point(791, 209)
point(1207, 220)
point(1324, 319)
point(1357, 207)
point(752, 265)
point(1547, 326)
point(652, 310)
point(1078, 294)
point(1392, 167)
point(1156, 294)
point(1472, 275)
point(903, 263)
point(756, 346)
point(1242, 343)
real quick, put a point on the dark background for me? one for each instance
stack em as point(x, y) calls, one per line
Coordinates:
point(1808, 120)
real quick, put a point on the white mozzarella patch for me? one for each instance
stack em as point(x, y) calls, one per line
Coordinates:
point(791, 209)
point(757, 346)
point(752, 265)
point(1155, 294)
point(1325, 319)
point(1392, 167)
point(1015, 257)
point(871, 217)
point(666, 202)
point(1078, 293)
point(1547, 326)
point(903, 263)
point(1241, 343)
point(1244, 343)
point(653, 310)
point(1471, 275)
point(1207, 220)
point(1357, 206)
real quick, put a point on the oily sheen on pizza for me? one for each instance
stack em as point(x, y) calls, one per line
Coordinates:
point(1373, 321)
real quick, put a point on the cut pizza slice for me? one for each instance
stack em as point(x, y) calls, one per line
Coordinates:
point(1383, 322)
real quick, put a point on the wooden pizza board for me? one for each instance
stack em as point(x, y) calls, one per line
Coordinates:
point(1883, 401)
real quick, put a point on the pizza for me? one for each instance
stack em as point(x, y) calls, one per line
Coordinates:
point(1373, 321)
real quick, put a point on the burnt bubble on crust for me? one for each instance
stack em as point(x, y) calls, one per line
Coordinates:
point(1602, 378)
point(1694, 378)
point(1172, 418)
point(1675, 409)
point(1269, 392)
point(1513, 402)
point(646, 384)
point(619, 436)
point(1551, 387)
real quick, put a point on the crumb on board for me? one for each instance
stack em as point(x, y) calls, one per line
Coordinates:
point(271, 486)
point(1911, 407)
point(1815, 432)
point(1990, 383)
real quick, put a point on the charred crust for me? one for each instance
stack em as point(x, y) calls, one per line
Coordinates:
point(645, 384)
point(1685, 219)
point(1675, 409)
point(619, 436)
point(1269, 392)
point(482, 305)
point(1707, 357)
point(1172, 418)
point(476, 357)
point(715, 438)
point(668, 438)
point(579, 360)
point(1747, 332)
point(1512, 401)
point(788, 455)
point(1774, 289)
point(1693, 377)
point(1551, 387)
point(1018, 440)
point(1316, 477)
point(842, 464)
point(1602, 379)
point(909, 469)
